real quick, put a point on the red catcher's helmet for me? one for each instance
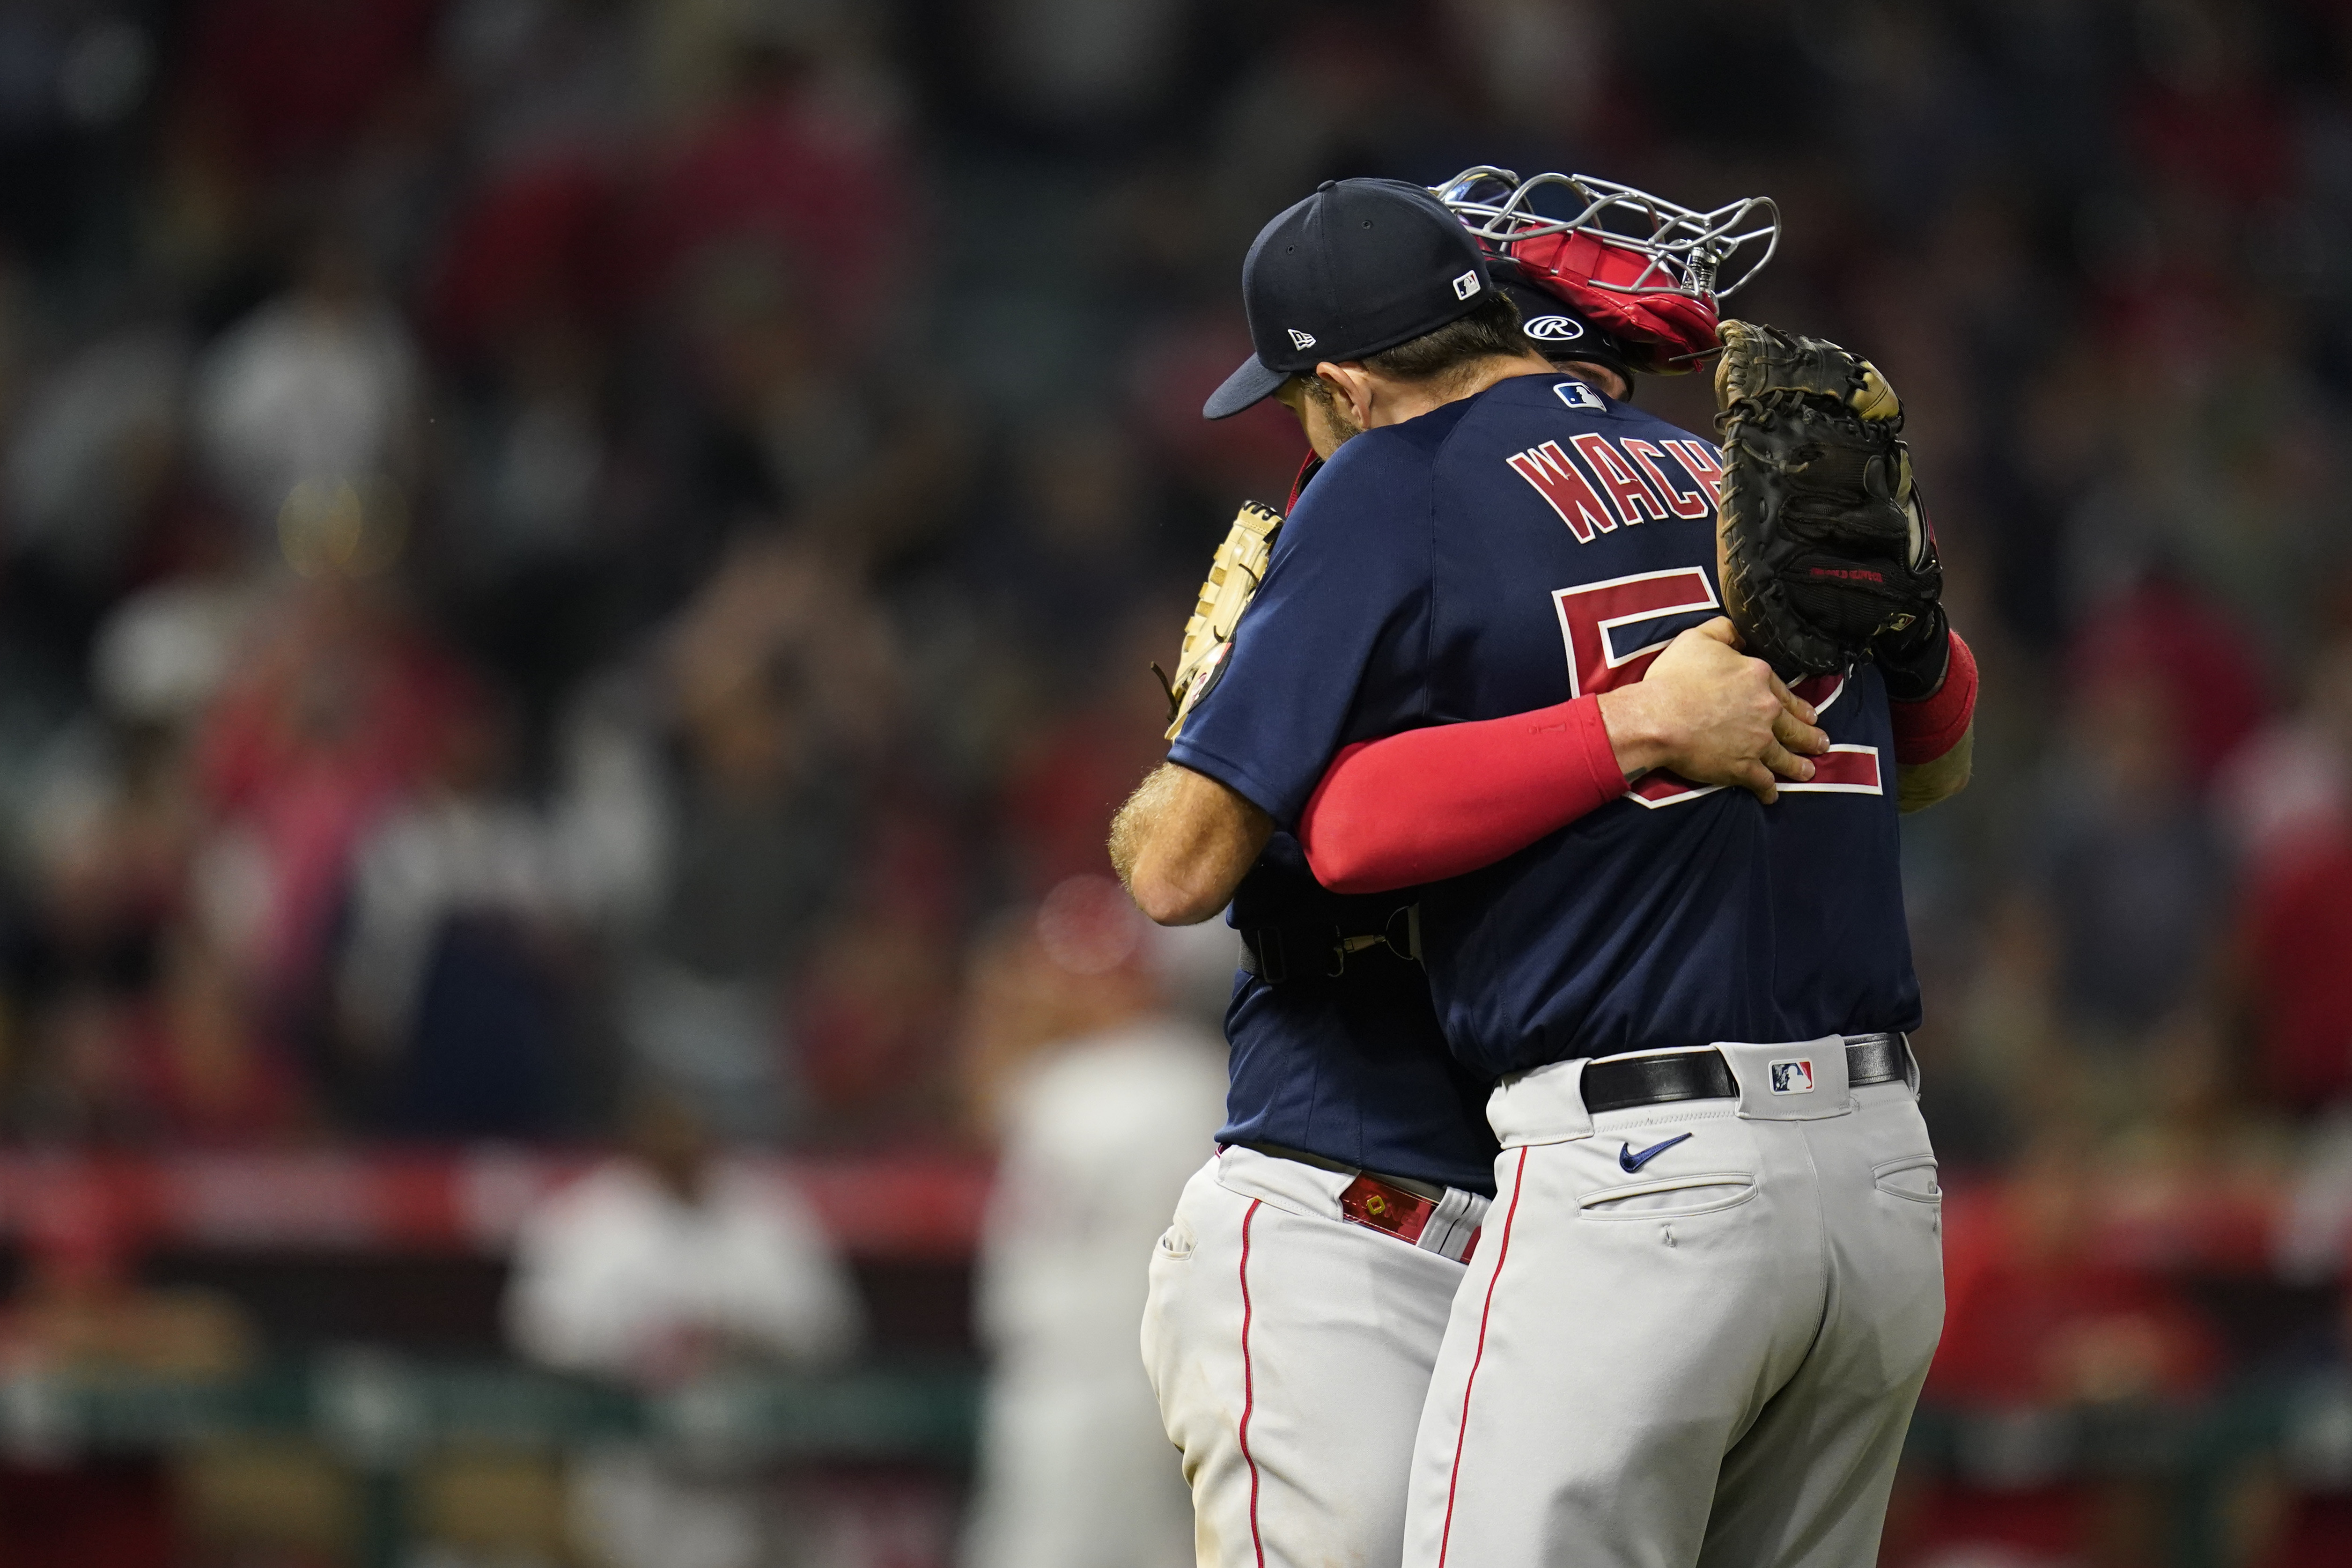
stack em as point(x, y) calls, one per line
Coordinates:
point(1648, 270)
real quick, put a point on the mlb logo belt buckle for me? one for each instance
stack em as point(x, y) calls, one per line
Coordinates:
point(1792, 1076)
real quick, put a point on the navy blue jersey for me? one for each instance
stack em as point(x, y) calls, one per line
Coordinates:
point(1512, 550)
point(1354, 1068)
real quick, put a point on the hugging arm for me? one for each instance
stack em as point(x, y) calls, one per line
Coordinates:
point(1182, 843)
point(1437, 802)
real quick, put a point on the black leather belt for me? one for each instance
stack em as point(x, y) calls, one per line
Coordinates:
point(1431, 1190)
point(1619, 1082)
point(1279, 953)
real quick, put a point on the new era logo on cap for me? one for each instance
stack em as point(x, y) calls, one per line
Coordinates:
point(1792, 1077)
point(1359, 266)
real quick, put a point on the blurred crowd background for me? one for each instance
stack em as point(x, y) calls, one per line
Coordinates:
point(580, 572)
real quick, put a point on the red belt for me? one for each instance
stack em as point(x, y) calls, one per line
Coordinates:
point(1382, 1206)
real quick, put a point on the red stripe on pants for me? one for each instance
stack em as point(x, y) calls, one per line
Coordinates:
point(1249, 1385)
point(1461, 1433)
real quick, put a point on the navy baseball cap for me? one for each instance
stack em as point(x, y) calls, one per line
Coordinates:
point(1359, 266)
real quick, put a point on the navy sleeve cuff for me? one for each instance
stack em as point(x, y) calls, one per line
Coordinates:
point(1235, 776)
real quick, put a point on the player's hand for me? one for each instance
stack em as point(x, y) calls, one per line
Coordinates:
point(1713, 714)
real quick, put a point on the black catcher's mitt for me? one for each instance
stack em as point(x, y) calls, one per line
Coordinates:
point(1823, 550)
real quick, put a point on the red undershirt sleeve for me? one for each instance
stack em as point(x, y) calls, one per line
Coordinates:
point(1931, 726)
point(1437, 802)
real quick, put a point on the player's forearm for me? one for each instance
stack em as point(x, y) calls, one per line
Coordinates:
point(1128, 827)
point(1934, 737)
point(1918, 785)
point(1434, 803)
point(1182, 843)
point(1934, 725)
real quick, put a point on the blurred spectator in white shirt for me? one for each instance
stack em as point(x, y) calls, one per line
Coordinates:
point(319, 387)
point(665, 1267)
point(1106, 1104)
point(668, 1263)
point(451, 980)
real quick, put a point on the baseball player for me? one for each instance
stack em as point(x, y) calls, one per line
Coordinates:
point(1698, 1328)
point(1298, 1300)
point(1299, 1294)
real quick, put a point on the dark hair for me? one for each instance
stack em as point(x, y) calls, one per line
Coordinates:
point(1312, 385)
point(1486, 329)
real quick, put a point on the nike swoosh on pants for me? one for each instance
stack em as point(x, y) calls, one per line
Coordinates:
point(1628, 1160)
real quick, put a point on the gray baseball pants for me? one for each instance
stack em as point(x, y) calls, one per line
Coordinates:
point(1700, 1354)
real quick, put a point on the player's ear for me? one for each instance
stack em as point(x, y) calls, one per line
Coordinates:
point(1351, 384)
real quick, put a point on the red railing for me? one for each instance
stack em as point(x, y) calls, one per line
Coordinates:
point(898, 1205)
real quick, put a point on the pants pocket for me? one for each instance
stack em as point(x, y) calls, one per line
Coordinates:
point(1696, 1192)
point(1912, 1176)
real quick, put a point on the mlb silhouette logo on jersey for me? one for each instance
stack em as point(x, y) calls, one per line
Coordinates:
point(1792, 1077)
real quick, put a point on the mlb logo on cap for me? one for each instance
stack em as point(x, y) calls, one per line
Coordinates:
point(1792, 1077)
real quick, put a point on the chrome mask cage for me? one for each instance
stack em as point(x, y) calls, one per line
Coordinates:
point(1708, 255)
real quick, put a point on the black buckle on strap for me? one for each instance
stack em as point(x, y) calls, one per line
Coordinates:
point(1270, 961)
point(1268, 956)
point(1400, 934)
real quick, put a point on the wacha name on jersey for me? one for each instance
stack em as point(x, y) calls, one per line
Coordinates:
point(1633, 476)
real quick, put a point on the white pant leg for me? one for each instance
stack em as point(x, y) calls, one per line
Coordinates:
point(1809, 1482)
point(1291, 1351)
point(1741, 1324)
point(1074, 1473)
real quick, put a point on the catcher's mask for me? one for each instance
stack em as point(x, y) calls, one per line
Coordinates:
point(1648, 270)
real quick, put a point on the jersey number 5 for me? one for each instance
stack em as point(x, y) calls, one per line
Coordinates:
point(1614, 629)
